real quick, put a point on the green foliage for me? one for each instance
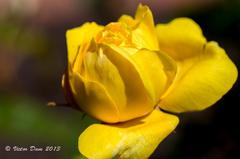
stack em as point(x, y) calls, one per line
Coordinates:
point(25, 121)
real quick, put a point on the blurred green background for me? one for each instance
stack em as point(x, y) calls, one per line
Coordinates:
point(33, 57)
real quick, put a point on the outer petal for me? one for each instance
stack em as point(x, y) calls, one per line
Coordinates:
point(135, 139)
point(205, 73)
point(181, 39)
point(93, 98)
point(143, 29)
point(99, 68)
point(78, 36)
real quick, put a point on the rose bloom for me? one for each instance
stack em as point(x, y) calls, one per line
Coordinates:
point(122, 73)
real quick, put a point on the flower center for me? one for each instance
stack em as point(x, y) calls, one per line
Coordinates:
point(115, 33)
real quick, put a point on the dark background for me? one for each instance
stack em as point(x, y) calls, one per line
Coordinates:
point(33, 57)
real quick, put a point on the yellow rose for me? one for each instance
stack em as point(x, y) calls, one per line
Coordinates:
point(116, 72)
point(123, 70)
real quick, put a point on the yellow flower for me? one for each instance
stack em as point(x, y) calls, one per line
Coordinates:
point(120, 73)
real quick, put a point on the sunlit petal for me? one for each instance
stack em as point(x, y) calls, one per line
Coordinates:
point(205, 73)
point(135, 139)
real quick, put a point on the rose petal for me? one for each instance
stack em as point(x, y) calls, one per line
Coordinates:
point(136, 139)
point(205, 73)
